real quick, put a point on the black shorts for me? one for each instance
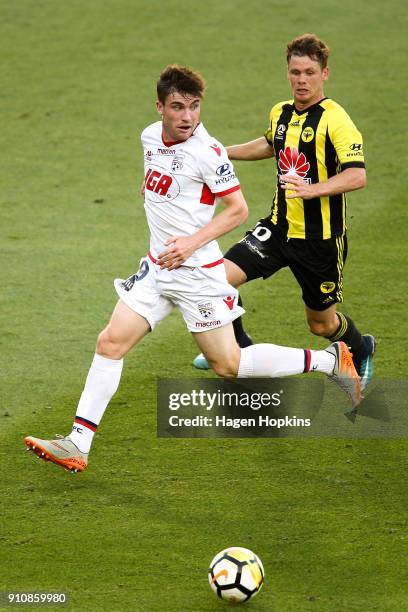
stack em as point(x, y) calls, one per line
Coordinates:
point(316, 264)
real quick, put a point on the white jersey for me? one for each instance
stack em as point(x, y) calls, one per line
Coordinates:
point(182, 182)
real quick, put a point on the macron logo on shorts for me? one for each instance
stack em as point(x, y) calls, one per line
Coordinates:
point(208, 323)
point(229, 301)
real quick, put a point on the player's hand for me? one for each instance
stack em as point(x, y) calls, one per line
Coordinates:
point(298, 187)
point(142, 188)
point(178, 251)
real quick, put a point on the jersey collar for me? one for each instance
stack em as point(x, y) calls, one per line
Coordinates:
point(172, 143)
point(309, 108)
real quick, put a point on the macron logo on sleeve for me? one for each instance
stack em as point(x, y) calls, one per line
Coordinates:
point(216, 148)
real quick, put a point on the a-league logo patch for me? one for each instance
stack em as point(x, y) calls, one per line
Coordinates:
point(280, 132)
point(206, 309)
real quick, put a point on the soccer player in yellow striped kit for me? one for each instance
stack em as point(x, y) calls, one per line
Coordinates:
point(319, 154)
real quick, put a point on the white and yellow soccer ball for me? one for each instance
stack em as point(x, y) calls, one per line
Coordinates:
point(236, 574)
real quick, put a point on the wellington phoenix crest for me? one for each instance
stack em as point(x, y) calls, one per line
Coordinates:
point(292, 162)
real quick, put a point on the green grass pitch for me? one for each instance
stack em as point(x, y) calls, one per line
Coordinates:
point(137, 530)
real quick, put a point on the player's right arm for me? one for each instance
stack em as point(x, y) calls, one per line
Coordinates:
point(252, 150)
point(180, 248)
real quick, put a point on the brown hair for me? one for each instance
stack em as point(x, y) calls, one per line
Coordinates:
point(180, 79)
point(311, 45)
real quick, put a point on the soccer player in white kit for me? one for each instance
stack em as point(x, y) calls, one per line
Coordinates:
point(186, 172)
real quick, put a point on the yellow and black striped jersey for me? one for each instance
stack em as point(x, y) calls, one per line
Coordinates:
point(315, 144)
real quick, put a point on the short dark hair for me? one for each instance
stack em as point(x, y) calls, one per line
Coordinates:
point(311, 45)
point(181, 79)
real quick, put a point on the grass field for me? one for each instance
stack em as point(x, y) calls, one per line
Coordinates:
point(137, 530)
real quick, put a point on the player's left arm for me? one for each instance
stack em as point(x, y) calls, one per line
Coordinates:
point(180, 248)
point(348, 144)
point(349, 179)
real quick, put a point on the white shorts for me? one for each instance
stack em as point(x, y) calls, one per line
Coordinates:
point(203, 295)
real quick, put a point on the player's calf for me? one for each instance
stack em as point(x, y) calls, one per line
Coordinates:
point(225, 370)
point(226, 366)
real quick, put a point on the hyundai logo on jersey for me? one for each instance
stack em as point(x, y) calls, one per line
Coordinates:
point(223, 170)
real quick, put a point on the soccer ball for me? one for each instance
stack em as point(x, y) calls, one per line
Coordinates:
point(236, 574)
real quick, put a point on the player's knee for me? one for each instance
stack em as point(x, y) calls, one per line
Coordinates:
point(226, 368)
point(108, 346)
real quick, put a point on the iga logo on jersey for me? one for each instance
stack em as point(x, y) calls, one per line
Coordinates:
point(293, 162)
point(161, 185)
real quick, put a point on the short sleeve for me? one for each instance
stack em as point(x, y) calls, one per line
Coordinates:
point(217, 170)
point(269, 130)
point(347, 140)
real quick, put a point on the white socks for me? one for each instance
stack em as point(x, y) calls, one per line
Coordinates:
point(271, 360)
point(257, 360)
point(320, 361)
point(101, 384)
